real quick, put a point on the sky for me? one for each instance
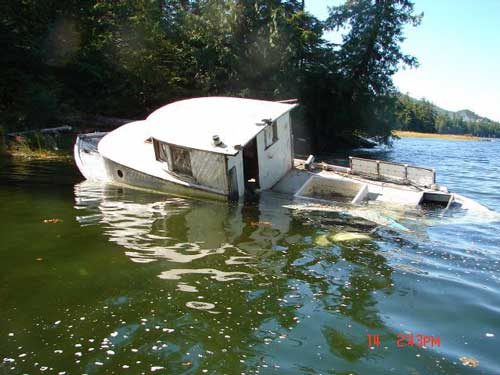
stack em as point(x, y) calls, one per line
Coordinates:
point(458, 49)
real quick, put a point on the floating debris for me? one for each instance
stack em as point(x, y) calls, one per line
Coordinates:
point(349, 236)
point(183, 287)
point(326, 240)
point(200, 305)
point(52, 221)
point(322, 241)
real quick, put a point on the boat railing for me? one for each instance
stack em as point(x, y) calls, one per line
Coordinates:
point(88, 142)
point(393, 172)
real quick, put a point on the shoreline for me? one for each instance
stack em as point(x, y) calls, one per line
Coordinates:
point(457, 137)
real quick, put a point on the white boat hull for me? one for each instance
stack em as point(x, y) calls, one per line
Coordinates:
point(87, 157)
point(122, 175)
point(95, 167)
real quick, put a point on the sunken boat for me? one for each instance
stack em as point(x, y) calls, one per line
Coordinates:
point(226, 148)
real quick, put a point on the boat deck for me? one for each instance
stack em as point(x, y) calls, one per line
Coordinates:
point(381, 191)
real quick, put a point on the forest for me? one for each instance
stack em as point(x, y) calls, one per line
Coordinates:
point(125, 58)
point(424, 117)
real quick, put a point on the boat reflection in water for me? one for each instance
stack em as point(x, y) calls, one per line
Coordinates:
point(181, 230)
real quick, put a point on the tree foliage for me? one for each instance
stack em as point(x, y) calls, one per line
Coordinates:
point(363, 95)
point(128, 57)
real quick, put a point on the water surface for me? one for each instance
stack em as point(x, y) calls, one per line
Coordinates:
point(131, 282)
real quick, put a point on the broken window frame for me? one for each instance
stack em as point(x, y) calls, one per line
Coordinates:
point(177, 158)
point(181, 160)
point(271, 134)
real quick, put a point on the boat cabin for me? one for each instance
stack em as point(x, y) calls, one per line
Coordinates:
point(228, 145)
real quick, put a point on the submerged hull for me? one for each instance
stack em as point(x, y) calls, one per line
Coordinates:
point(382, 202)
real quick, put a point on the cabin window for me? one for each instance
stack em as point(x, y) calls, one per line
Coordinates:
point(271, 134)
point(177, 158)
point(162, 151)
point(181, 160)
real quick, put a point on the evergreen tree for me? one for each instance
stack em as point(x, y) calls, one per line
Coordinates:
point(362, 92)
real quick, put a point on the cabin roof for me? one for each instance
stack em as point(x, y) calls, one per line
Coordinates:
point(192, 123)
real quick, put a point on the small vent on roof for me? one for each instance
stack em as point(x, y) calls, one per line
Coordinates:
point(264, 122)
point(217, 141)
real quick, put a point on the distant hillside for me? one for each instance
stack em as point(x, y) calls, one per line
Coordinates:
point(468, 115)
point(464, 114)
point(425, 117)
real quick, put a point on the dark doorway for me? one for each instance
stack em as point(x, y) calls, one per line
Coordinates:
point(251, 166)
point(233, 185)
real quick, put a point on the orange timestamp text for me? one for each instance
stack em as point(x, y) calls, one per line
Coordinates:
point(410, 339)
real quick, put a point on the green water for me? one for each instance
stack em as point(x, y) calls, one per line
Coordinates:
point(131, 283)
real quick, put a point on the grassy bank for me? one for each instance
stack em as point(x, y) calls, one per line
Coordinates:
point(37, 146)
point(37, 154)
point(407, 134)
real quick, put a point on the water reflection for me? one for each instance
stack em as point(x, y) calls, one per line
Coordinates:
point(253, 272)
point(173, 228)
